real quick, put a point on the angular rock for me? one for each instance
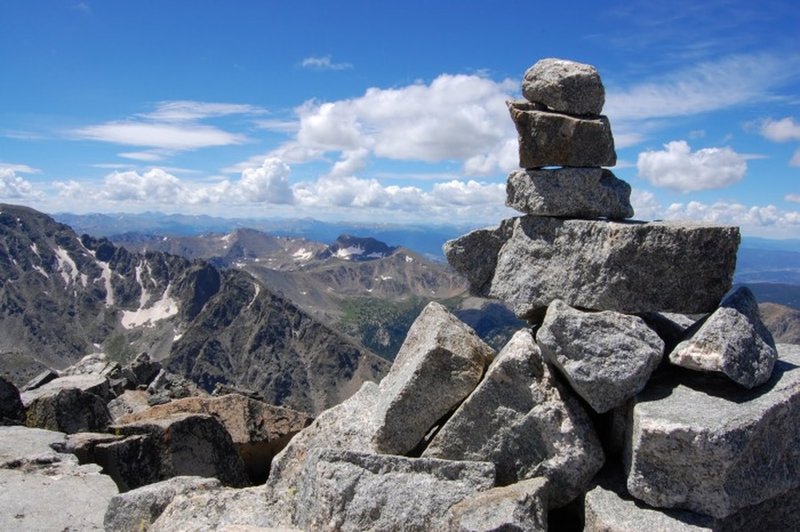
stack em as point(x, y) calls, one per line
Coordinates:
point(82, 444)
point(717, 452)
point(606, 356)
point(258, 430)
point(93, 364)
point(40, 380)
point(554, 139)
point(565, 86)
point(94, 384)
point(229, 510)
point(438, 365)
point(128, 402)
point(570, 193)
point(520, 506)
point(629, 267)
point(12, 412)
point(669, 326)
point(136, 510)
point(186, 444)
point(67, 410)
point(46, 490)
point(525, 422)
point(345, 490)
point(132, 462)
point(733, 341)
point(142, 370)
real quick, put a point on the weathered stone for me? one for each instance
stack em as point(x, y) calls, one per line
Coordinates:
point(526, 423)
point(67, 410)
point(136, 510)
point(565, 86)
point(94, 384)
point(520, 506)
point(171, 386)
point(606, 356)
point(258, 430)
point(12, 412)
point(609, 508)
point(132, 462)
point(40, 380)
point(717, 452)
point(142, 370)
point(345, 490)
point(227, 510)
point(82, 444)
point(629, 267)
point(554, 139)
point(733, 340)
point(41, 489)
point(569, 192)
point(438, 365)
point(93, 364)
point(189, 444)
point(128, 402)
point(669, 326)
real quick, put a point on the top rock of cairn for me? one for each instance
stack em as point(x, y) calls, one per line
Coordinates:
point(565, 86)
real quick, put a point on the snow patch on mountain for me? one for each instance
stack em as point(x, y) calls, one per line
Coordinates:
point(67, 267)
point(164, 308)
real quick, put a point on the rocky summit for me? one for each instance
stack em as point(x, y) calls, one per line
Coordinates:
point(607, 411)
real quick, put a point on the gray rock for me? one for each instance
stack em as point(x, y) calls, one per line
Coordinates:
point(733, 340)
point(67, 410)
point(46, 490)
point(669, 326)
point(40, 380)
point(12, 412)
point(94, 384)
point(565, 86)
point(231, 510)
point(629, 267)
point(82, 444)
point(520, 506)
point(128, 402)
point(779, 514)
point(718, 452)
point(438, 365)
point(345, 490)
point(93, 364)
point(142, 370)
point(525, 422)
point(136, 510)
point(186, 444)
point(609, 508)
point(132, 462)
point(569, 192)
point(554, 139)
point(606, 356)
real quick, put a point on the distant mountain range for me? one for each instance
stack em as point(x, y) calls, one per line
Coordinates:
point(63, 296)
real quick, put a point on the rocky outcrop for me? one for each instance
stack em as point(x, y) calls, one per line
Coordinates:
point(346, 490)
point(733, 341)
point(12, 412)
point(569, 192)
point(629, 267)
point(716, 453)
point(259, 431)
point(46, 490)
point(67, 410)
point(607, 357)
point(525, 422)
point(136, 510)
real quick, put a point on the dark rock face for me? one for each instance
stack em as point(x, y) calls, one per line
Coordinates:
point(628, 267)
point(11, 410)
point(68, 410)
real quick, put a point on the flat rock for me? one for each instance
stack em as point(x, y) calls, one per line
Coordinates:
point(439, 364)
point(90, 383)
point(570, 193)
point(346, 490)
point(67, 410)
point(554, 139)
point(733, 340)
point(606, 356)
point(186, 445)
point(12, 411)
point(258, 430)
point(128, 402)
point(525, 422)
point(41, 489)
point(136, 510)
point(702, 443)
point(629, 267)
point(520, 506)
point(565, 86)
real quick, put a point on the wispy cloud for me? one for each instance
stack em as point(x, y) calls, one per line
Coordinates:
point(323, 63)
point(19, 168)
point(187, 110)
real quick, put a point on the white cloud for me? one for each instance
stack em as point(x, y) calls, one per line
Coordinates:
point(795, 198)
point(159, 135)
point(13, 186)
point(266, 184)
point(795, 161)
point(733, 213)
point(148, 156)
point(155, 185)
point(323, 63)
point(19, 168)
point(188, 110)
point(678, 168)
point(782, 130)
point(645, 205)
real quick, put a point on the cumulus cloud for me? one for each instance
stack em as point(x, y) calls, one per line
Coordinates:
point(323, 63)
point(795, 198)
point(782, 130)
point(154, 185)
point(267, 184)
point(678, 168)
point(733, 213)
point(13, 186)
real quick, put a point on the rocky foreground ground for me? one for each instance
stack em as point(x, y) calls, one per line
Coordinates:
point(643, 395)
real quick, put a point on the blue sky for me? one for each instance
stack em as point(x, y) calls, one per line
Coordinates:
point(389, 111)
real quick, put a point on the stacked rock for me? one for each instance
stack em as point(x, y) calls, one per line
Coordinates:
point(598, 288)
